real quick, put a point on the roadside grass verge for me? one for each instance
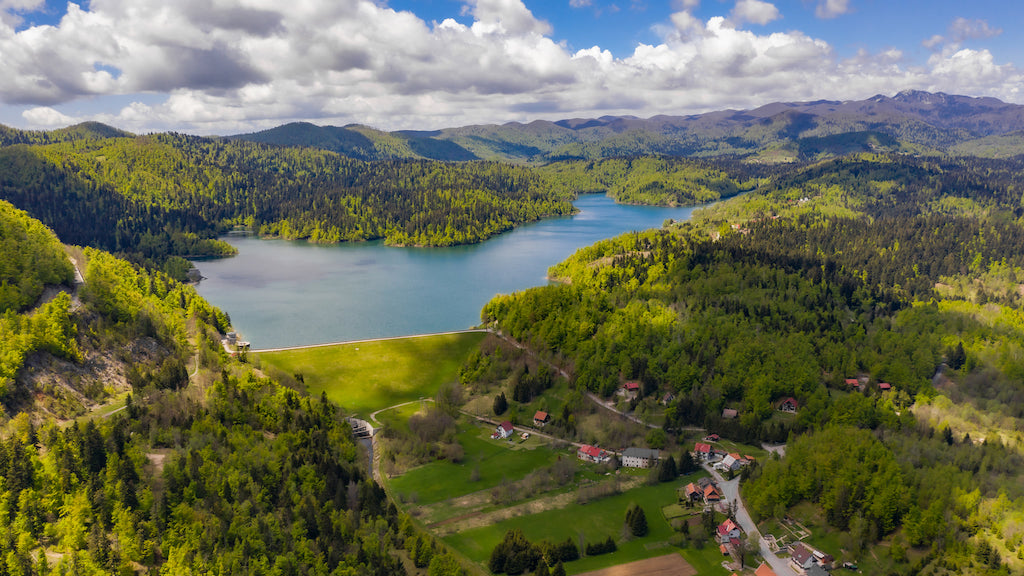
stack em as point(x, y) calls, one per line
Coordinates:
point(367, 376)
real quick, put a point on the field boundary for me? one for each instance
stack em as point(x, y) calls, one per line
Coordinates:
point(382, 339)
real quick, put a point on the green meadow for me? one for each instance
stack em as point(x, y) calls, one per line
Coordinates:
point(366, 376)
point(495, 461)
point(593, 521)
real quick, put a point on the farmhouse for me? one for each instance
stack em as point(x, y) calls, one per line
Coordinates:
point(731, 462)
point(692, 493)
point(592, 454)
point(541, 418)
point(504, 430)
point(727, 531)
point(789, 405)
point(884, 386)
point(712, 438)
point(639, 457)
point(801, 557)
point(630, 389)
point(712, 494)
point(703, 451)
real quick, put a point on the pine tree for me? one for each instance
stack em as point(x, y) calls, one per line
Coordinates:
point(500, 404)
point(558, 570)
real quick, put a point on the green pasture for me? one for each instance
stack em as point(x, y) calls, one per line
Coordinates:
point(496, 461)
point(366, 376)
point(594, 521)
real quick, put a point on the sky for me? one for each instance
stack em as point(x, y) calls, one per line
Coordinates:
point(232, 66)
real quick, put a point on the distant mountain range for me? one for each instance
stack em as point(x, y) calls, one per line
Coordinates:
point(912, 121)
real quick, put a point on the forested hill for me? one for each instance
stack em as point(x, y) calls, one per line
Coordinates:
point(223, 471)
point(881, 269)
point(911, 121)
point(170, 194)
point(30, 258)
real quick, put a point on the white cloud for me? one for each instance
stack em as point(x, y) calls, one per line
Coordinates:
point(228, 66)
point(934, 41)
point(754, 11)
point(580, 3)
point(963, 29)
point(46, 117)
point(832, 8)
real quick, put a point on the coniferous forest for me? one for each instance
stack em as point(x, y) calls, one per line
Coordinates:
point(903, 273)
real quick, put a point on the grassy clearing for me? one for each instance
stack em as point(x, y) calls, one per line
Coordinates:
point(707, 561)
point(367, 376)
point(494, 460)
point(593, 522)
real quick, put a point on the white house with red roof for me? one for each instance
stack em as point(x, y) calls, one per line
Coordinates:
point(504, 430)
point(727, 531)
point(592, 454)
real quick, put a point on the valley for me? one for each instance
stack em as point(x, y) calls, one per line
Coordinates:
point(835, 336)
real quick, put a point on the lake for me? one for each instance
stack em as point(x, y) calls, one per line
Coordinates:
point(290, 293)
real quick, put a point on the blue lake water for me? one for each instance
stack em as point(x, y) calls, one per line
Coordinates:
point(290, 293)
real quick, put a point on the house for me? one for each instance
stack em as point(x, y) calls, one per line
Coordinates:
point(703, 451)
point(712, 438)
point(727, 531)
point(731, 462)
point(802, 557)
point(667, 398)
point(884, 386)
point(704, 483)
point(541, 418)
point(815, 570)
point(729, 413)
point(504, 430)
point(712, 494)
point(692, 493)
point(639, 457)
point(592, 454)
point(630, 390)
point(789, 405)
point(853, 382)
point(764, 570)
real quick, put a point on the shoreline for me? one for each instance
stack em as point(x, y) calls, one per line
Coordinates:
point(381, 339)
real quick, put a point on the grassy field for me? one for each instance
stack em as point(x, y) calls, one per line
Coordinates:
point(495, 461)
point(593, 521)
point(367, 376)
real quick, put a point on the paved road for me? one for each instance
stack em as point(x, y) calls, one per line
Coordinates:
point(731, 491)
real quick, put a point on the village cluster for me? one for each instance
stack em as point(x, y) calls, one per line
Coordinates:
point(804, 559)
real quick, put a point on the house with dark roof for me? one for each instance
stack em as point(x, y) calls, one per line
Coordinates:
point(504, 430)
point(640, 457)
point(801, 557)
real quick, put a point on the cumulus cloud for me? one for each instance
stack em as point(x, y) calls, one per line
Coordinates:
point(831, 8)
point(227, 66)
point(755, 12)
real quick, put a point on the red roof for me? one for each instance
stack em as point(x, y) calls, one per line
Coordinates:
point(852, 382)
point(690, 489)
point(764, 570)
point(735, 456)
point(507, 426)
point(631, 386)
point(540, 415)
point(884, 386)
point(702, 447)
point(712, 438)
point(726, 527)
point(592, 451)
point(710, 491)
